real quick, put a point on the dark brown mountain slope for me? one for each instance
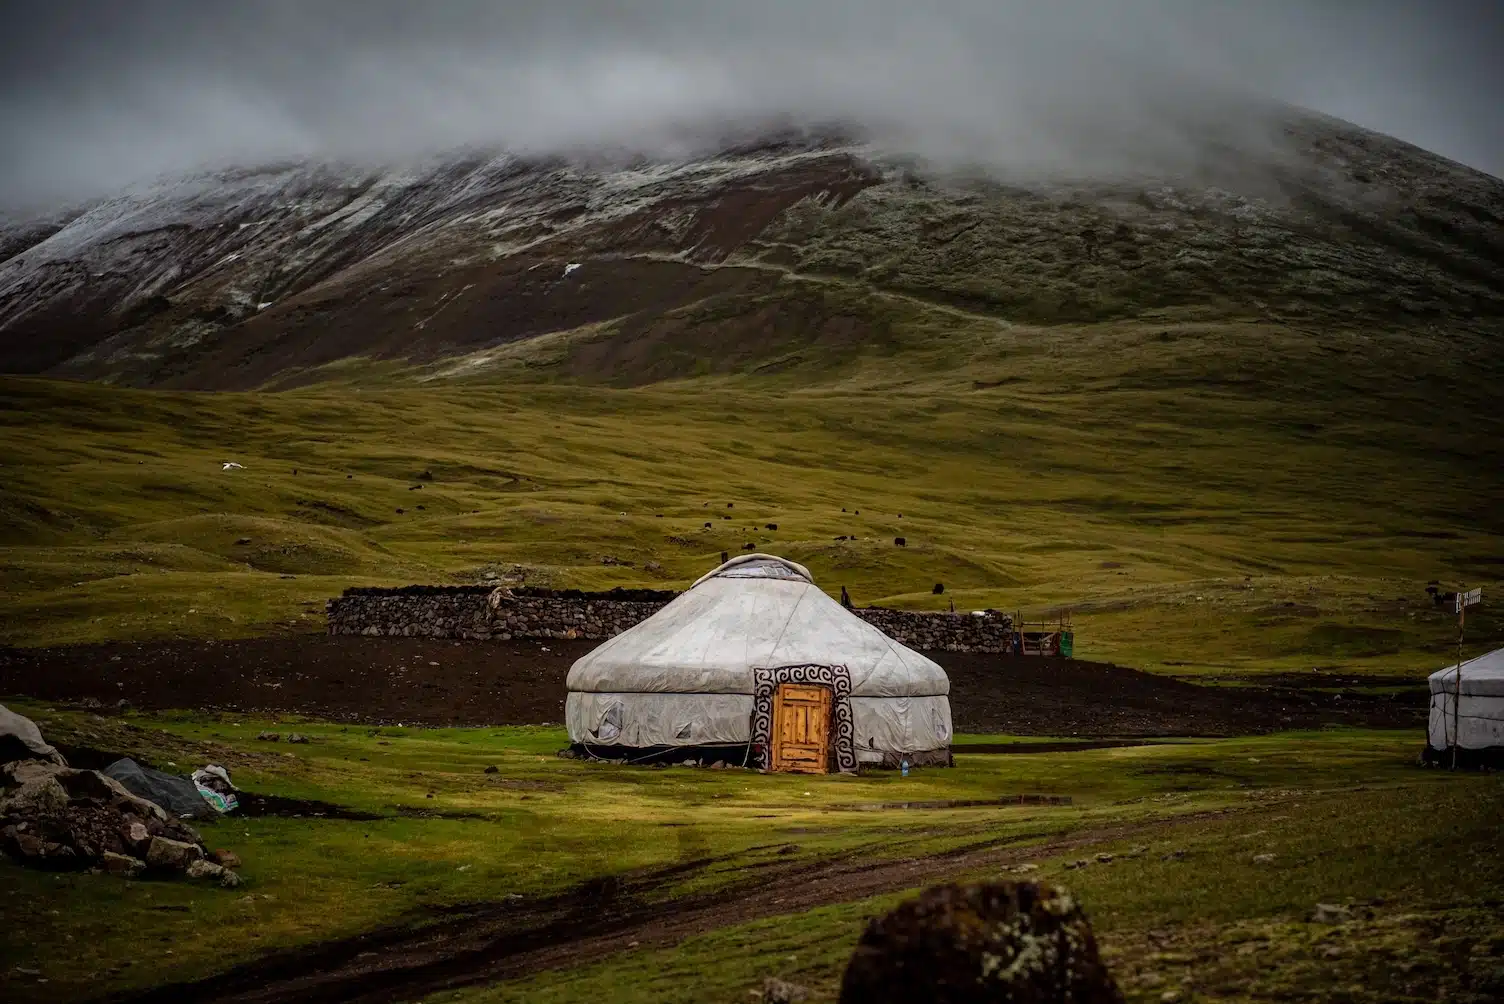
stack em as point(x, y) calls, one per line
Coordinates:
point(735, 260)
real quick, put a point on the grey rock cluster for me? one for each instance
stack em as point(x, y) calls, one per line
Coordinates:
point(60, 818)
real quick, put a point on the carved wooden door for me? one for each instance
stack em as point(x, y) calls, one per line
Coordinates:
point(801, 728)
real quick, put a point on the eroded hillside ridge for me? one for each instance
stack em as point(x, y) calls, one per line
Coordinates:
point(235, 279)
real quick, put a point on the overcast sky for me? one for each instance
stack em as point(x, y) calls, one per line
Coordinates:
point(95, 94)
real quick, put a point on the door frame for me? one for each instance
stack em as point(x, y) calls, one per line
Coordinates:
point(765, 683)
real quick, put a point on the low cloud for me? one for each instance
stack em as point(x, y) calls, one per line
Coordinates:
point(97, 95)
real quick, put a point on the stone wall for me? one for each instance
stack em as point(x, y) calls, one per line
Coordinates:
point(484, 612)
point(941, 632)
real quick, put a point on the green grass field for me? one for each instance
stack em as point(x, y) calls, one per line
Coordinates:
point(1199, 506)
point(1210, 500)
point(1337, 809)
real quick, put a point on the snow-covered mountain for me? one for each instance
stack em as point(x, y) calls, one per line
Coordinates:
point(234, 279)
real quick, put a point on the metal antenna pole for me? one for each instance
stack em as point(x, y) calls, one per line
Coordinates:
point(1457, 682)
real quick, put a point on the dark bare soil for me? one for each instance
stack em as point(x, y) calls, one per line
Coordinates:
point(381, 681)
point(1069, 697)
point(423, 682)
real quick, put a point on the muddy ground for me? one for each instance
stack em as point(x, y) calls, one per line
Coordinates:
point(424, 682)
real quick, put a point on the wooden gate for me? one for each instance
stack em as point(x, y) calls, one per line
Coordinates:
point(801, 729)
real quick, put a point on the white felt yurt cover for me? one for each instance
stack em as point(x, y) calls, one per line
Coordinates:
point(687, 675)
point(1479, 720)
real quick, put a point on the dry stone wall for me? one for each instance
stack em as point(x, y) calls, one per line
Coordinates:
point(483, 613)
point(941, 632)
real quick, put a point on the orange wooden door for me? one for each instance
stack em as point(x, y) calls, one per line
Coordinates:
point(801, 729)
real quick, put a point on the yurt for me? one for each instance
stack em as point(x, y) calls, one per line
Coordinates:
point(755, 665)
point(1475, 724)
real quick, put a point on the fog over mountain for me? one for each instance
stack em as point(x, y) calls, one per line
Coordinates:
point(95, 94)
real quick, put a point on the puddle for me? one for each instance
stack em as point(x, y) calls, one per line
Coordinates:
point(254, 805)
point(961, 803)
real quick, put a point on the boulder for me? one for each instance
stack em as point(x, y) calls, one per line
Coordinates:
point(214, 873)
point(18, 772)
point(19, 843)
point(225, 859)
point(38, 797)
point(86, 786)
point(101, 786)
point(201, 869)
point(1022, 942)
point(122, 865)
point(136, 835)
point(37, 847)
point(172, 855)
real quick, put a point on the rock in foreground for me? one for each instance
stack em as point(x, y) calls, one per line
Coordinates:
point(1020, 942)
point(60, 818)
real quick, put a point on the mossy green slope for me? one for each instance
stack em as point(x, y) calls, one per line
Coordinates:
point(1196, 503)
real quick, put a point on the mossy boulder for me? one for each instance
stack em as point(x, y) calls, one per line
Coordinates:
point(1021, 942)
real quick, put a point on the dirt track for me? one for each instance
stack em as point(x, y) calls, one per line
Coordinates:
point(489, 942)
point(522, 683)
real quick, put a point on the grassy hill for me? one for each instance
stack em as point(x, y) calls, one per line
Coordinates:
point(1235, 420)
point(1203, 497)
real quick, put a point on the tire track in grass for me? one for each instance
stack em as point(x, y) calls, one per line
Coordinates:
point(492, 942)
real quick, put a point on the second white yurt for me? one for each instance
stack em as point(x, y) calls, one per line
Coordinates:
point(1475, 722)
point(757, 664)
